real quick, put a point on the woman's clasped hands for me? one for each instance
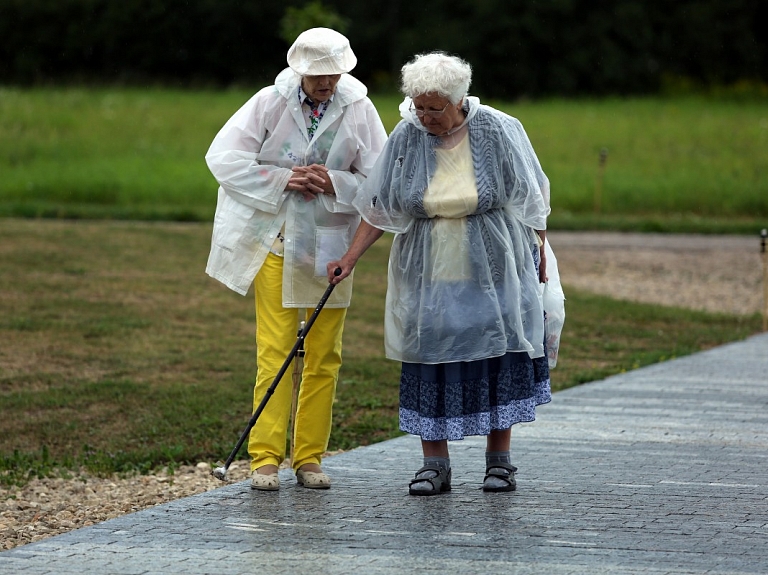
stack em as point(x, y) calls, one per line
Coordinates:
point(310, 181)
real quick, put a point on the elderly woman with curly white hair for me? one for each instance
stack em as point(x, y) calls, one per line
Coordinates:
point(459, 184)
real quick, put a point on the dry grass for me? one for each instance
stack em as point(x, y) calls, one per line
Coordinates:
point(118, 351)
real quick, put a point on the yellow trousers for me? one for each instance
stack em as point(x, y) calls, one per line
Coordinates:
point(276, 331)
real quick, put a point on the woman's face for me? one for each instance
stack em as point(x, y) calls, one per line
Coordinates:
point(320, 88)
point(436, 113)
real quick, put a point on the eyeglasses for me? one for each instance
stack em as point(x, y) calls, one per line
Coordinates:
point(430, 113)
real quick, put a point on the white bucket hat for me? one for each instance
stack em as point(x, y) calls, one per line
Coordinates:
point(321, 51)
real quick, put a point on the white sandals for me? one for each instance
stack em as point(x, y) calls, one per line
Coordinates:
point(308, 479)
point(262, 482)
point(312, 480)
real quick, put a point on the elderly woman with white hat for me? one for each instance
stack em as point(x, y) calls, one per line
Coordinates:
point(289, 163)
point(461, 187)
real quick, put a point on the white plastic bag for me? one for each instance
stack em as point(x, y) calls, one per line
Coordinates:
point(553, 301)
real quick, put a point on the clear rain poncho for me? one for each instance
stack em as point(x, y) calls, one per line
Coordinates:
point(463, 282)
point(251, 158)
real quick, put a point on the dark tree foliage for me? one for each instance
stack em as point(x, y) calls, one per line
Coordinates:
point(517, 48)
point(184, 41)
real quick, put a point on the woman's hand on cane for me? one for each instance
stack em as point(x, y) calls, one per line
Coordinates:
point(334, 266)
point(364, 238)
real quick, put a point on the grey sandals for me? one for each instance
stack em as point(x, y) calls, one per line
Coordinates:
point(430, 480)
point(499, 476)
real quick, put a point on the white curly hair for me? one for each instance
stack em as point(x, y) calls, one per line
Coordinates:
point(436, 73)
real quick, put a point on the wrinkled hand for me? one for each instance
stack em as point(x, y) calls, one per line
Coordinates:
point(310, 181)
point(299, 184)
point(543, 266)
point(345, 267)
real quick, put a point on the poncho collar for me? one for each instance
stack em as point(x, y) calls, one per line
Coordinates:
point(348, 90)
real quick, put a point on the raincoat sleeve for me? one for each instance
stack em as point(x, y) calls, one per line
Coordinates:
point(380, 199)
point(370, 136)
point(529, 202)
point(233, 156)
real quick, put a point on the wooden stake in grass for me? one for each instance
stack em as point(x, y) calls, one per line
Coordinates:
point(763, 236)
point(600, 176)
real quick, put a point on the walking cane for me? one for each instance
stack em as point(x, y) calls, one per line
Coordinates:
point(221, 472)
point(298, 364)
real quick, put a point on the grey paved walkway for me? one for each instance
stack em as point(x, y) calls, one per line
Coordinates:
point(660, 470)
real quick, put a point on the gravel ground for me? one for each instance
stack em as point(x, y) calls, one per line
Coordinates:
point(46, 507)
point(712, 273)
point(709, 273)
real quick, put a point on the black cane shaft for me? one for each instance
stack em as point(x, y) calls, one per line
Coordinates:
point(271, 389)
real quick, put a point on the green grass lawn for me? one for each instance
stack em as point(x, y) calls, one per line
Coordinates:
point(686, 164)
point(671, 164)
point(120, 354)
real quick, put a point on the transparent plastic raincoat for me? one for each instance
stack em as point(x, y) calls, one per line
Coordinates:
point(463, 284)
point(251, 157)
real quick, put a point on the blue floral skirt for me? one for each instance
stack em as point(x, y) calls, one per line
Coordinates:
point(453, 400)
